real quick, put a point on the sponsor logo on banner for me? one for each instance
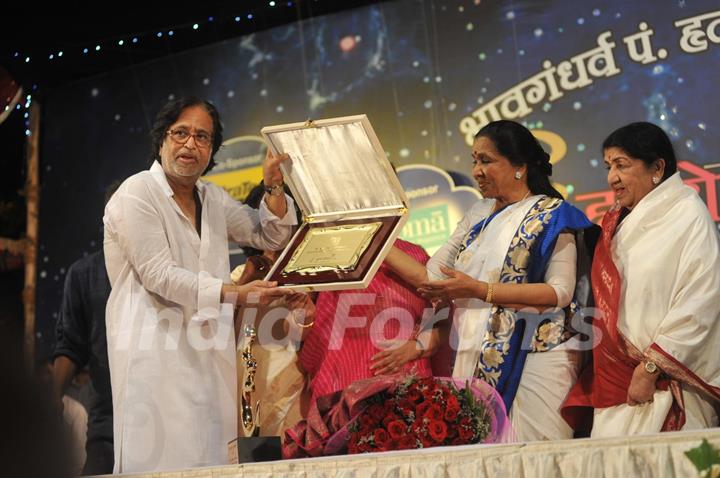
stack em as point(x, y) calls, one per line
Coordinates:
point(238, 166)
point(438, 200)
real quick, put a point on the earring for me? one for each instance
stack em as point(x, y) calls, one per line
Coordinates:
point(518, 175)
point(655, 180)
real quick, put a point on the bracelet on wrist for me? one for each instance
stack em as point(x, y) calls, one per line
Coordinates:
point(276, 190)
point(489, 295)
point(302, 326)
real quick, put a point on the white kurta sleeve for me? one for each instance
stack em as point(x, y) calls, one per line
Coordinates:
point(138, 228)
point(260, 228)
point(561, 269)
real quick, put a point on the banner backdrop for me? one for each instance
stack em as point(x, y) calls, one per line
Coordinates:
point(428, 74)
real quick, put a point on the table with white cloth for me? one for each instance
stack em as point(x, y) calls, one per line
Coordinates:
point(638, 456)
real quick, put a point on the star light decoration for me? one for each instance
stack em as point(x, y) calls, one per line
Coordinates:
point(21, 56)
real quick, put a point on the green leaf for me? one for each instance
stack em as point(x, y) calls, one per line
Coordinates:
point(703, 456)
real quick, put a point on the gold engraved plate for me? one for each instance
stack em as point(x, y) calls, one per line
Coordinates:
point(332, 248)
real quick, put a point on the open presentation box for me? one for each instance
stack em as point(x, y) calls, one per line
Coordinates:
point(352, 203)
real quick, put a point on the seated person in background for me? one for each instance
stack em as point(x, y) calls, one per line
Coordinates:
point(384, 331)
point(353, 336)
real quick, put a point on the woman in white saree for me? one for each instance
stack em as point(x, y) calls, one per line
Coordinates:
point(656, 281)
point(511, 260)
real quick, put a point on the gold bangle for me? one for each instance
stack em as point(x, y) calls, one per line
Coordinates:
point(303, 326)
point(489, 296)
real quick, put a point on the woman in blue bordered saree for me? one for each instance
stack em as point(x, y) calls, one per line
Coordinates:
point(510, 268)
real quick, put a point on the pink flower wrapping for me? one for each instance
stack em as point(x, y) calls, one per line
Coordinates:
point(400, 412)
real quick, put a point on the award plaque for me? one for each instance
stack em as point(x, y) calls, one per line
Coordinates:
point(352, 202)
point(331, 248)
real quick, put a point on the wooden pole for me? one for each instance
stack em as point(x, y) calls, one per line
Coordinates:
point(32, 196)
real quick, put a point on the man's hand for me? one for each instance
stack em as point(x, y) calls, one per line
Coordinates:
point(257, 292)
point(63, 371)
point(272, 176)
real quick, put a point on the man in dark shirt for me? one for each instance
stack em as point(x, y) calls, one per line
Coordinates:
point(80, 341)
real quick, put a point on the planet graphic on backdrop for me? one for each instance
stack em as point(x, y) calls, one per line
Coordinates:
point(348, 42)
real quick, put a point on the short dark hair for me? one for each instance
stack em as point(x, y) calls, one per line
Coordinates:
point(646, 142)
point(521, 148)
point(171, 112)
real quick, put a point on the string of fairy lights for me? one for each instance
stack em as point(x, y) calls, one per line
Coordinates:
point(94, 48)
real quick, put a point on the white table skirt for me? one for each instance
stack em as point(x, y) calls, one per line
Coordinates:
point(651, 456)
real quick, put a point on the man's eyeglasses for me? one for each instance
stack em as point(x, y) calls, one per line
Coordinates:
point(181, 136)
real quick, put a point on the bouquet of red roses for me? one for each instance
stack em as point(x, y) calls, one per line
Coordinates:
point(395, 412)
point(426, 412)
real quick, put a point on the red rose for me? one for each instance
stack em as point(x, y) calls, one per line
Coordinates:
point(458, 441)
point(451, 414)
point(434, 413)
point(381, 437)
point(437, 430)
point(405, 404)
point(466, 434)
point(414, 396)
point(376, 411)
point(422, 409)
point(366, 420)
point(397, 429)
point(407, 442)
point(452, 402)
point(452, 431)
point(390, 417)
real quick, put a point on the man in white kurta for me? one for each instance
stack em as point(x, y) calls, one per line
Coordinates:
point(171, 342)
